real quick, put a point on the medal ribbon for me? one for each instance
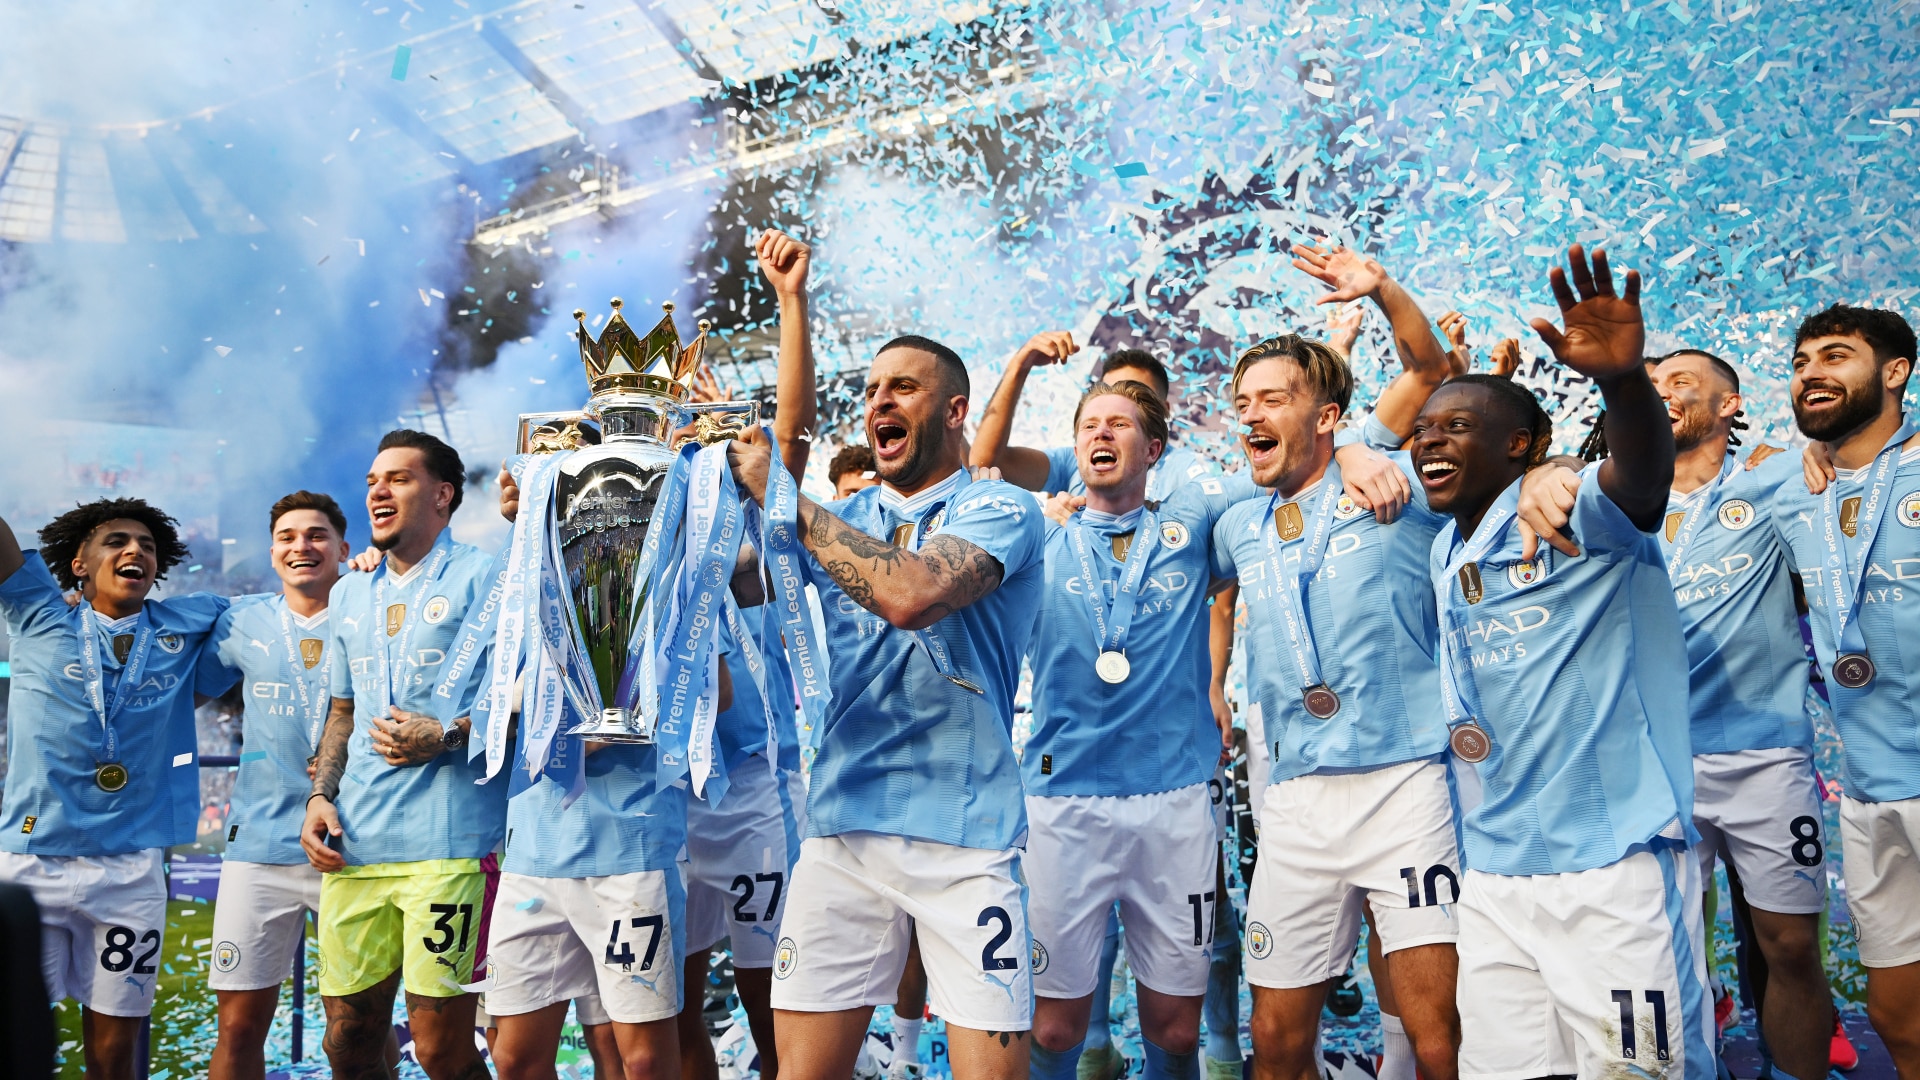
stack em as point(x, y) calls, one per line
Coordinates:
point(780, 543)
point(312, 706)
point(1288, 593)
point(536, 476)
point(689, 690)
point(92, 670)
point(930, 638)
point(1112, 618)
point(1462, 704)
point(659, 559)
point(383, 661)
point(458, 673)
point(1683, 539)
point(1841, 579)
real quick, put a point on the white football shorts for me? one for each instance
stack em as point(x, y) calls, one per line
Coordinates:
point(1881, 842)
point(1595, 973)
point(1156, 855)
point(740, 859)
point(859, 900)
point(258, 918)
point(620, 937)
point(102, 920)
point(1760, 811)
point(1330, 843)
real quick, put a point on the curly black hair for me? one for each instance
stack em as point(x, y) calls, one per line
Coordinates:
point(63, 537)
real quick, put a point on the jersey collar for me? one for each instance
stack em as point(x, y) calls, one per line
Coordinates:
point(913, 506)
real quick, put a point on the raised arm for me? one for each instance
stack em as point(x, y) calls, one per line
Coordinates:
point(910, 589)
point(11, 558)
point(1351, 276)
point(1605, 339)
point(785, 262)
point(1019, 465)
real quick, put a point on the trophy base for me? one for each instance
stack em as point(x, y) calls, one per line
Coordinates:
point(616, 726)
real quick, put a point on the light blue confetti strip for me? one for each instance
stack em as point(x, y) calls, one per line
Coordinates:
point(401, 57)
point(1129, 170)
point(252, 755)
point(531, 903)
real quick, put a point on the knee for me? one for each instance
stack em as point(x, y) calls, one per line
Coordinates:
point(1792, 946)
point(644, 1063)
point(243, 1030)
point(1276, 1040)
point(449, 1058)
point(1897, 1024)
point(1057, 1033)
point(1175, 1038)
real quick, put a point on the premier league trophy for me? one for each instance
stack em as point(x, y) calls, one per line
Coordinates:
point(619, 452)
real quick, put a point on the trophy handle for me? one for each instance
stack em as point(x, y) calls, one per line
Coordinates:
point(552, 432)
point(709, 422)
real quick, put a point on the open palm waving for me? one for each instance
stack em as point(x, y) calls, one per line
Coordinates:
point(1605, 336)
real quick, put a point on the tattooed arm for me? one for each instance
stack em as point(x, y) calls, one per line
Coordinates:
point(323, 822)
point(910, 589)
point(413, 738)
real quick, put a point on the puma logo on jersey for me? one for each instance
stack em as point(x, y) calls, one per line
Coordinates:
point(261, 645)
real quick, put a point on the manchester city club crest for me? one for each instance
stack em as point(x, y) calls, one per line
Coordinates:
point(1736, 514)
point(436, 609)
point(1345, 508)
point(226, 956)
point(1907, 510)
point(1523, 574)
point(1039, 958)
point(1259, 940)
point(1173, 535)
point(173, 643)
point(785, 957)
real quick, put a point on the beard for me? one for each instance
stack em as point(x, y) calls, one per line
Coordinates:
point(1858, 407)
point(923, 451)
point(1693, 429)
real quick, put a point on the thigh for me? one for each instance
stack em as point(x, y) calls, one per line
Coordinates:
point(1406, 856)
point(121, 918)
point(740, 862)
point(1167, 882)
point(1766, 812)
point(534, 956)
point(362, 934)
point(259, 917)
point(970, 917)
point(527, 1043)
point(844, 939)
point(1509, 1028)
point(639, 916)
point(1620, 949)
point(1071, 886)
point(441, 916)
point(1303, 913)
point(1882, 868)
point(51, 881)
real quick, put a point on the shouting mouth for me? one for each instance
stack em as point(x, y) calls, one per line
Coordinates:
point(889, 439)
point(1436, 473)
point(131, 572)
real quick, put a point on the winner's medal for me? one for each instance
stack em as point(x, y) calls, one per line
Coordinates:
point(1112, 667)
point(1471, 743)
point(1111, 620)
point(1321, 702)
point(1853, 670)
point(110, 776)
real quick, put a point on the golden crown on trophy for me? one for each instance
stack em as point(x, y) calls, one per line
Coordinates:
point(655, 364)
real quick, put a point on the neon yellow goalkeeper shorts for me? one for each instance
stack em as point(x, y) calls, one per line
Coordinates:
point(423, 917)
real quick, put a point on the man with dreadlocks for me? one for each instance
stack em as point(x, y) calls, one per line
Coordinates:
point(1756, 799)
point(101, 753)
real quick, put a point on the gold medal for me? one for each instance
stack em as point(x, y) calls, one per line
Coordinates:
point(1288, 522)
point(110, 776)
point(311, 649)
point(1470, 586)
point(396, 618)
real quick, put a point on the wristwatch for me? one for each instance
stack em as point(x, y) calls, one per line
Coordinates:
point(454, 737)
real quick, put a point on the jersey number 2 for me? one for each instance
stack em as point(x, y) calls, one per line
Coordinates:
point(990, 960)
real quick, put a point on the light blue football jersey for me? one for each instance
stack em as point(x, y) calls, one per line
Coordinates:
point(1879, 723)
point(1735, 594)
point(905, 751)
point(1371, 608)
point(1579, 670)
point(1155, 731)
point(433, 811)
point(52, 805)
point(622, 823)
point(741, 731)
point(278, 733)
point(1177, 466)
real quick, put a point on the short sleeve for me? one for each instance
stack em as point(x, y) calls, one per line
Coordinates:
point(1380, 436)
point(31, 599)
point(1599, 524)
point(197, 613)
point(1202, 501)
point(1062, 469)
point(1001, 520)
point(1224, 563)
point(219, 659)
point(1239, 486)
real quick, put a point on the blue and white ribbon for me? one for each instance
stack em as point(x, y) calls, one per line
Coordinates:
point(384, 666)
point(1690, 525)
point(1112, 618)
point(690, 686)
point(1844, 580)
point(93, 674)
point(313, 707)
point(1288, 592)
point(793, 610)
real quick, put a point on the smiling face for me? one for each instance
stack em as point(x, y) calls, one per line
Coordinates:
point(117, 565)
point(1838, 387)
point(1282, 422)
point(306, 551)
point(910, 415)
point(1467, 449)
point(1112, 446)
point(405, 501)
point(1700, 402)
